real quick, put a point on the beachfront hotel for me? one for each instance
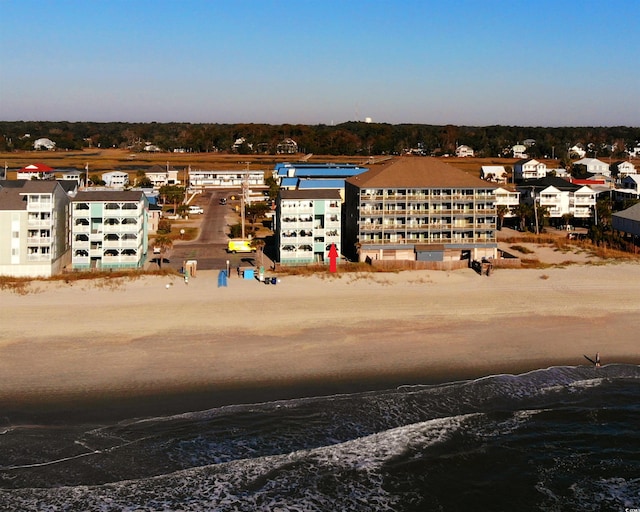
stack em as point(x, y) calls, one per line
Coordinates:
point(418, 209)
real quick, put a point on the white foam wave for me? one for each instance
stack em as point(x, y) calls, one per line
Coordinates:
point(347, 476)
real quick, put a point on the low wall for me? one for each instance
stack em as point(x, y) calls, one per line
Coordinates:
point(419, 265)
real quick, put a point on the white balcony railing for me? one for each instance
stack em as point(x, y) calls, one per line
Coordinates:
point(39, 240)
point(39, 207)
point(38, 257)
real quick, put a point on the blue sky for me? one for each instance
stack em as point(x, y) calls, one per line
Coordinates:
point(540, 63)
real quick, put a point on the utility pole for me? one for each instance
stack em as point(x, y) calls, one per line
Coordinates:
point(535, 209)
point(243, 192)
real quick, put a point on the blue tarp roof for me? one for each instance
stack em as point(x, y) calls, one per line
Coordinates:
point(328, 173)
point(289, 182)
point(307, 184)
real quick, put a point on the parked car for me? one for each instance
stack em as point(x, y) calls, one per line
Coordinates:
point(195, 209)
point(240, 245)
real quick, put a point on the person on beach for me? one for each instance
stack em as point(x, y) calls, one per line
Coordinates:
point(597, 360)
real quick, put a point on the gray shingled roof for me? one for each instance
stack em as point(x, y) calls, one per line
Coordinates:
point(631, 213)
point(12, 192)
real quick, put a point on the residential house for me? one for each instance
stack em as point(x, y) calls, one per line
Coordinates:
point(116, 179)
point(307, 224)
point(161, 176)
point(559, 172)
point(418, 209)
point(577, 150)
point(464, 151)
point(34, 228)
point(507, 198)
point(529, 169)
point(519, 151)
point(239, 143)
point(629, 187)
point(109, 229)
point(287, 147)
point(594, 166)
point(36, 172)
point(628, 222)
point(494, 173)
point(72, 175)
point(44, 143)
point(560, 197)
point(622, 169)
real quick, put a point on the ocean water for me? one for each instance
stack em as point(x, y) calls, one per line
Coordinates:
point(558, 439)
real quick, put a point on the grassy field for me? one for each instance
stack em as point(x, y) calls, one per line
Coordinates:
point(104, 160)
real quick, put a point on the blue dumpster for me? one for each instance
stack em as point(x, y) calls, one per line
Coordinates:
point(248, 274)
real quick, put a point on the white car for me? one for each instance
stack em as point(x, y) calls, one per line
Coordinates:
point(195, 209)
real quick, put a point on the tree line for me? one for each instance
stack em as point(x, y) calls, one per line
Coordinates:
point(350, 138)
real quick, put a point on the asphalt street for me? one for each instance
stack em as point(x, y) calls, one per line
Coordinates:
point(210, 248)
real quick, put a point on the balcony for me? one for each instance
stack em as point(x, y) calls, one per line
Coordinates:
point(39, 240)
point(121, 228)
point(121, 244)
point(38, 257)
point(120, 212)
point(119, 259)
point(41, 206)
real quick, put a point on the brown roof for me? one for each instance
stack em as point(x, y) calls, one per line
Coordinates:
point(417, 172)
point(310, 194)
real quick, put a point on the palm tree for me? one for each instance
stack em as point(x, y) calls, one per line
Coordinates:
point(523, 211)
point(501, 212)
point(163, 243)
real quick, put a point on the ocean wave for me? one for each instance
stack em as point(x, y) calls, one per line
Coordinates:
point(383, 450)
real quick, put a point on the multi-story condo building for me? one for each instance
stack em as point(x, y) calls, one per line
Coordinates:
point(109, 229)
point(307, 224)
point(34, 228)
point(419, 209)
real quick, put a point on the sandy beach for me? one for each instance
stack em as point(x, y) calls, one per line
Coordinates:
point(163, 346)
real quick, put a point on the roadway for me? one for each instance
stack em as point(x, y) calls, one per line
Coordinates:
point(210, 248)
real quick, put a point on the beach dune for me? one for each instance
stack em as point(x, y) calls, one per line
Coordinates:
point(172, 346)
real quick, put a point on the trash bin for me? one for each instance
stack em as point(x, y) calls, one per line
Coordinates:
point(248, 273)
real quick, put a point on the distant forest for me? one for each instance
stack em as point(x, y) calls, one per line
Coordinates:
point(351, 138)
